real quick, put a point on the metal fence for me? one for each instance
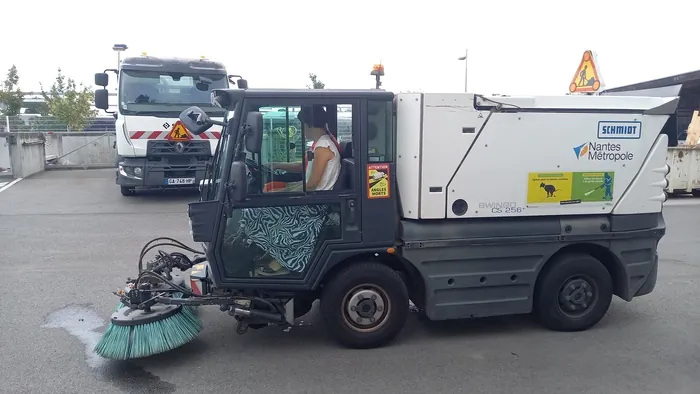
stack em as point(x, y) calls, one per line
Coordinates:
point(47, 124)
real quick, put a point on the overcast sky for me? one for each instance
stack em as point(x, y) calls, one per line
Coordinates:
point(515, 47)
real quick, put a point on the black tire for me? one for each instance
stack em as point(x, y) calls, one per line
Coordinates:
point(127, 191)
point(390, 313)
point(573, 293)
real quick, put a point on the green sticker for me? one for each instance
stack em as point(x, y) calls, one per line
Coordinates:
point(593, 186)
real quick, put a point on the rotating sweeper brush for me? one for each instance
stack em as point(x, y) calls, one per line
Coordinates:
point(157, 310)
point(152, 316)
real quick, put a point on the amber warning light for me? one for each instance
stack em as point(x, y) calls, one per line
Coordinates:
point(377, 69)
point(378, 72)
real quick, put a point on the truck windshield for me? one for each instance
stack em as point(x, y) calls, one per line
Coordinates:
point(160, 92)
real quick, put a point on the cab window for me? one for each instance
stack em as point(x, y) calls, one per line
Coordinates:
point(302, 148)
point(380, 131)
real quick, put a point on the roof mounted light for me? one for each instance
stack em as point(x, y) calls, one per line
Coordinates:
point(377, 69)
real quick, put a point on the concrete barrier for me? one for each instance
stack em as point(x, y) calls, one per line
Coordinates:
point(87, 149)
point(26, 152)
point(5, 162)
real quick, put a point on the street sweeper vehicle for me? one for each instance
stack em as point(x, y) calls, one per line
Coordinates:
point(154, 150)
point(467, 205)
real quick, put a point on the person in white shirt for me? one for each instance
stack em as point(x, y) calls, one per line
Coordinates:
point(324, 168)
point(288, 233)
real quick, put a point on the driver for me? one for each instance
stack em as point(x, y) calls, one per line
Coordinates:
point(289, 233)
point(323, 163)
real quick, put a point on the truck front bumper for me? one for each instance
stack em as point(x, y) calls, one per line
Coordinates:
point(145, 174)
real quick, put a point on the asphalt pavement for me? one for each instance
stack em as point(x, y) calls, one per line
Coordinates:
point(68, 239)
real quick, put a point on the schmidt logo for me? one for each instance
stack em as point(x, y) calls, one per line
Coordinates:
point(619, 130)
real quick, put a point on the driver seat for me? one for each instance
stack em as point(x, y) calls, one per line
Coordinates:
point(347, 168)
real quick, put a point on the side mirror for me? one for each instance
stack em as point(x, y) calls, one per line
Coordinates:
point(195, 120)
point(238, 180)
point(254, 135)
point(242, 83)
point(101, 79)
point(102, 98)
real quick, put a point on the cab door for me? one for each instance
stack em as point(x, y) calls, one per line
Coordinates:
point(284, 232)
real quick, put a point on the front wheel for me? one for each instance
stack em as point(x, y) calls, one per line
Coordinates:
point(365, 305)
point(573, 294)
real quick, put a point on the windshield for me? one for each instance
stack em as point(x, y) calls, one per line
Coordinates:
point(167, 94)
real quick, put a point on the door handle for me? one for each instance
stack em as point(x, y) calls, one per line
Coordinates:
point(351, 212)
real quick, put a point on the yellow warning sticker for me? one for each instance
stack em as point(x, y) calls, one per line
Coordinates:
point(378, 181)
point(553, 187)
point(179, 133)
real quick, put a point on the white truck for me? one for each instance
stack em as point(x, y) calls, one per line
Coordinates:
point(154, 149)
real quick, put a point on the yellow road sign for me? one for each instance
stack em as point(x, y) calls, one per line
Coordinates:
point(179, 133)
point(587, 78)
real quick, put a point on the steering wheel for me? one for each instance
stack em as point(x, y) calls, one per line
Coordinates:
point(260, 174)
point(252, 165)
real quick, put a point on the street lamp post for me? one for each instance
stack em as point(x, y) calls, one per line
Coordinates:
point(466, 64)
point(119, 48)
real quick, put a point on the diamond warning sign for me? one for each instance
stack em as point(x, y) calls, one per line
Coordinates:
point(178, 133)
point(587, 78)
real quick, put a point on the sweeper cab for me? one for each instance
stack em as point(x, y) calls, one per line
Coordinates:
point(467, 205)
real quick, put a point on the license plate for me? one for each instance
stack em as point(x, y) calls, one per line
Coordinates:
point(180, 181)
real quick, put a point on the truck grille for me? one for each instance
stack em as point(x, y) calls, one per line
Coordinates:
point(171, 148)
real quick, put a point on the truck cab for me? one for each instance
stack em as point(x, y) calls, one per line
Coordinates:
point(154, 149)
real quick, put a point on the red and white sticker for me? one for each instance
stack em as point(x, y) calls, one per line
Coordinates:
point(162, 135)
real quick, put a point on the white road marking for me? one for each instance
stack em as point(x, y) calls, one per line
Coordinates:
point(6, 185)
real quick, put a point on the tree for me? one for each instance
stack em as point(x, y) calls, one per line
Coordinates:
point(69, 103)
point(315, 82)
point(10, 94)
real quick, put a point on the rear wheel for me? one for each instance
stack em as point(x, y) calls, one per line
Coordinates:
point(573, 294)
point(365, 305)
point(127, 191)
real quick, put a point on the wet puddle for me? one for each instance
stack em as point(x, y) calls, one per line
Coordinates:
point(82, 322)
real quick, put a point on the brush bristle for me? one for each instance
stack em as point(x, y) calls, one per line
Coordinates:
point(129, 342)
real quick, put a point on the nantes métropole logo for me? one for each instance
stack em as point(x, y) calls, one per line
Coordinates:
point(607, 151)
